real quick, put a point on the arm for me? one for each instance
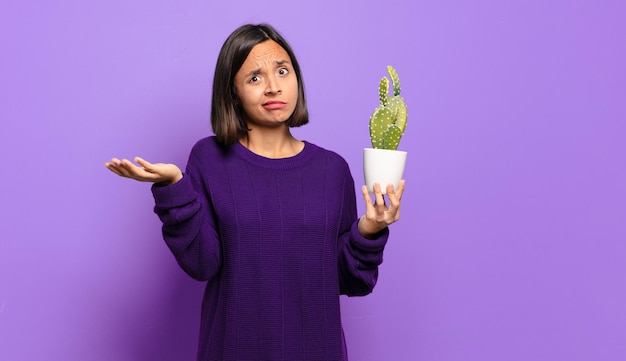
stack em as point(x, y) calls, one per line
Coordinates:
point(361, 242)
point(188, 222)
point(189, 227)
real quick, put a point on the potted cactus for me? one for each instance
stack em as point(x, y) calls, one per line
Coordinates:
point(383, 163)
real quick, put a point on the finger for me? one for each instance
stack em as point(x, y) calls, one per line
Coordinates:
point(125, 165)
point(119, 167)
point(115, 162)
point(400, 190)
point(399, 193)
point(394, 200)
point(380, 200)
point(390, 189)
point(369, 205)
point(366, 197)
point(144, 163)
point(393, 213)
point(121, 171)
point(131, 170)
point(113, 168)
point(146, 166)
point(129, 165)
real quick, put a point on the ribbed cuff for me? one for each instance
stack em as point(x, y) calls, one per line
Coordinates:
point(368, 245)
point(173, 195)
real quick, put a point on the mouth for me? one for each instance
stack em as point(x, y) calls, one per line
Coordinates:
point(274, 104)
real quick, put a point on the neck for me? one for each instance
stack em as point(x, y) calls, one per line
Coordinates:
point(272, 144)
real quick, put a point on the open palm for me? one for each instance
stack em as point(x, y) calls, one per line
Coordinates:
point(162, 173)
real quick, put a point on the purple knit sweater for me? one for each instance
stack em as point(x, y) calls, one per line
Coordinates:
point(277, 241)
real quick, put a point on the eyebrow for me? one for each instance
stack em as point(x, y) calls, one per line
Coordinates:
point(258, 70)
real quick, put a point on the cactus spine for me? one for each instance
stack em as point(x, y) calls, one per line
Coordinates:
point(388, 121)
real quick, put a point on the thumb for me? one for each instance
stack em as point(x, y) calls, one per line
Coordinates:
point(142, 162)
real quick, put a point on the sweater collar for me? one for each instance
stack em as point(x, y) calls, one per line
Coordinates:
point(295, 161)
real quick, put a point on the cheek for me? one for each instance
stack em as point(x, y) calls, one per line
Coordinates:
point(293, 88)
point(251, 97)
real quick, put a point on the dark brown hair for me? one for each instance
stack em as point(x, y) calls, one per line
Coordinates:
point(226, 115)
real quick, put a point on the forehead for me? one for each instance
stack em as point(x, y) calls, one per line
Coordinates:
point(266, 53)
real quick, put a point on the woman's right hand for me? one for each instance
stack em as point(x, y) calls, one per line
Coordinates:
point(160, 173)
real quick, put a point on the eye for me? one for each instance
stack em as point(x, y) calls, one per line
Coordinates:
point(254, 79)
point(283, 71)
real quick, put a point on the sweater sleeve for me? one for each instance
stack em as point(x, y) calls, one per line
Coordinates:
point(359, 257)
point(189, 226)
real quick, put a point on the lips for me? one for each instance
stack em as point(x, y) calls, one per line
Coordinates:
point(274, 104)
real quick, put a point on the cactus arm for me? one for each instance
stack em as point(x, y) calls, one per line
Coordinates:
point(383, 91)
point(398, 108)
point(392, 138)
point(395, 80)
point(380, 121)
point(388, 122)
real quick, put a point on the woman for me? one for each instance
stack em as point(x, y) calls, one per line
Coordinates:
point(267, 220)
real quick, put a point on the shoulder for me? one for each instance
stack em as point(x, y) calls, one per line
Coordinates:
point(332, 159)
point(207, 153)
point(208, 146)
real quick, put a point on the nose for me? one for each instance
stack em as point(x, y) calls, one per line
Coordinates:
point(273, 86)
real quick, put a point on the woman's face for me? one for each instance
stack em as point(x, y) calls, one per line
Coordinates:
point(267, 86)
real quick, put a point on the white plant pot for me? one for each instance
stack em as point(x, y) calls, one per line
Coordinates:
point(383, 166)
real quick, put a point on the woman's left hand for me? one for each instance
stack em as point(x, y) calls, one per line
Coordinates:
point(379, 215)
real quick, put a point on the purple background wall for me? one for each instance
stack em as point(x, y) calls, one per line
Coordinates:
point(513, 235)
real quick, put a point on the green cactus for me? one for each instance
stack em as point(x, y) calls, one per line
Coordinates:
point(388, 121)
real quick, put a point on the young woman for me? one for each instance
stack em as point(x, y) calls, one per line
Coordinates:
point(269, 221)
